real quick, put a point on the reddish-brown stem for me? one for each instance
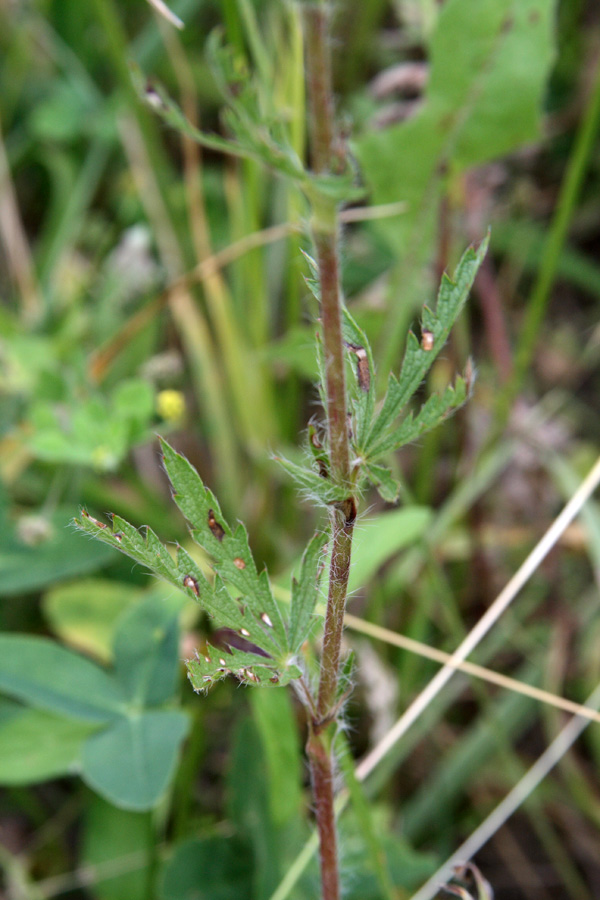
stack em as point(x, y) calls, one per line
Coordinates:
point(326, 156)
point(321, 773)
point(342, 523)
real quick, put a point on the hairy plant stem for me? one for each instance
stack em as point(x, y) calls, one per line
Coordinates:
point(325, 158)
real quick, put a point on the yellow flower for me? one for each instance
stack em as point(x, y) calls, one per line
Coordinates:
point(170, 405)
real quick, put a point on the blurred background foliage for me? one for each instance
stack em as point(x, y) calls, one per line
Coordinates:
point(150, 287)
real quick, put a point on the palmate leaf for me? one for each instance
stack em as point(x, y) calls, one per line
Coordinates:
point(420, 356)
point(230, 551)
point(253, 615)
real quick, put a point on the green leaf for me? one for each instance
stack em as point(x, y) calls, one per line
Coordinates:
point(42, 674)
point(131, 762)
point(113, 839)
point(250, 810)
point(185, 574)
point(489, 63)
point(319, 488)
point(379, 539)
point(146, 652)
point(276, 724)
point(210, 869)
point(258, 133)
point(435, 410)
point(230, 551)
point(62, 555)
point(84, 613)
point(383, 479)
point(37, 745)
point(420, 356)
point(362, 392)
point(305, 592)
point(248, 667)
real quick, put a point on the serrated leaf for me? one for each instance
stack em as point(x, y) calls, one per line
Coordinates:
point(322, 489)
point(383, 479)
point(312, 280)
point(437, 408)
point(362, 392)
point(436, 326)
point(230, 550)
point(305, 592)
point(248, 668)
point(256, 620)
point(258, 132)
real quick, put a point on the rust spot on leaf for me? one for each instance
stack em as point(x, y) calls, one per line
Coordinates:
point(216, 528)
point(190, 582)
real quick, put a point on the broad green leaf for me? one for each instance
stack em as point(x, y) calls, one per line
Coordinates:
point(229, 549)
point(117, 840)
point(63, 555)
point(37, 745)
point(84, 613)
point(305, 592)
point(146, 652)
point(250, 810)
point(131, 762)
point(407, 867)
point(214, 868)
point(489, 63)
point(44, 675)
point(436, 408)
point(276, 724)
point(419, 356)
point(379, 539)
